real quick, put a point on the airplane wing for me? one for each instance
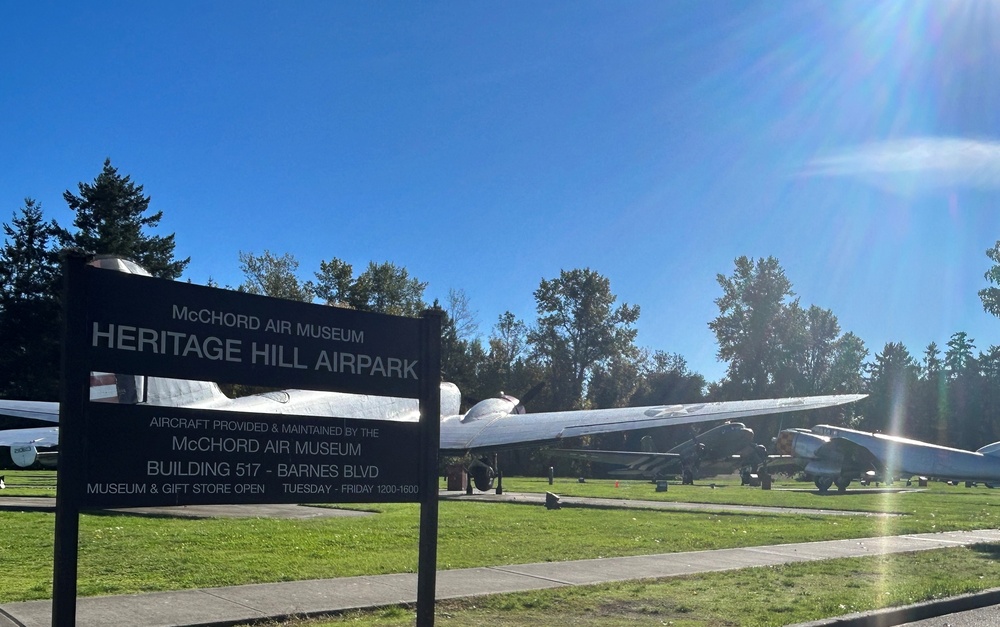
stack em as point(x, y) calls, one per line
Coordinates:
point(505, 429)
point(623, 458)
point(46, 411)
point(781, 463)
point(39, 436)
point(855, 458)
point(460, 434)
point(634, 462)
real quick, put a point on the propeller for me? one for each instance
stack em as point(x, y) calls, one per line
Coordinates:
point(528, 397)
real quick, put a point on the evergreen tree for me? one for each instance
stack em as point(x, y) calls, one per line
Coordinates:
point(931, 408)
point(111, 218)
point(823, 330)
point(963, 383)
point(892, 382)
point(989, 394)
point(958, 358)
point(30, 306)
point(751, 326)
point(847, 366)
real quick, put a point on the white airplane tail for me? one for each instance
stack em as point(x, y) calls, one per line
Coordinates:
point(176, 392)
point(451, 399)
point(106, 387)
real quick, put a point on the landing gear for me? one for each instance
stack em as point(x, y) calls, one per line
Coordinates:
point(482, 475)
point(687, 477)
point(842, 483)
point(823, 483)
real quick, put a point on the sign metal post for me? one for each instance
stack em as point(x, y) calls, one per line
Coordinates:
point(430, 440)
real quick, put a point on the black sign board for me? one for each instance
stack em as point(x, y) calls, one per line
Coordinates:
point(146, 456)
point(142, 325)
point(129, 455)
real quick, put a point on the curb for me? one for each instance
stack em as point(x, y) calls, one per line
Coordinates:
point(910, 613)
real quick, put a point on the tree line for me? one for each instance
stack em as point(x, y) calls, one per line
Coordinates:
point(579, 352)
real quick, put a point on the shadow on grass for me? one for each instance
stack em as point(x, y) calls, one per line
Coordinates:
point(850, 492)
point(991, 551)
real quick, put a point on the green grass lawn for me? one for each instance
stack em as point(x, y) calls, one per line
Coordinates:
point(750, 597)
point(124, 554)
point(29, 483)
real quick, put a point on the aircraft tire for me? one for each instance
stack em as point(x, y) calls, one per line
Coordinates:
point(842, 483)
point(483, 477)
point(687, 478)
point(823, 483)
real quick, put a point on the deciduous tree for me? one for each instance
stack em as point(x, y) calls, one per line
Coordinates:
point(382, 287)
point(990, 296)
point(268, 274)
point(462, 354)
point(579, 327)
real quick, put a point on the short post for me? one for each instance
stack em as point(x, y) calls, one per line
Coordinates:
point(552, 474)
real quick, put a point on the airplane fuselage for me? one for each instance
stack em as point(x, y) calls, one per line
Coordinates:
point(906, 457)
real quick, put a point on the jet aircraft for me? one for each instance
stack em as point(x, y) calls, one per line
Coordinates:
point(725, 446)
point(490, 425)
point(837, 455)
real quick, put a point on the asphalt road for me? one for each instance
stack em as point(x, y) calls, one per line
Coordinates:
point(983, 617)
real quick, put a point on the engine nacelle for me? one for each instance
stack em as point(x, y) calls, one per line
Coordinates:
point(491, 408)
point(23, 455)
point(824, 468)
point(800, 443)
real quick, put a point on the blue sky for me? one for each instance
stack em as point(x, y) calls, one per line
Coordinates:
point(486, 146)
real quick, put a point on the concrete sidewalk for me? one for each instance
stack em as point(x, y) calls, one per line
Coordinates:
point(228, 606)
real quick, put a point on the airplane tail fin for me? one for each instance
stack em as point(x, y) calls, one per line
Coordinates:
point(107, 387)
point(451, 399)
point(174, 392)
point(993, 450)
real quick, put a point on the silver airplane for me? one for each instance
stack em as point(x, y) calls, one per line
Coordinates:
point(721, 448)
point(837, 456)
point(490, 425)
